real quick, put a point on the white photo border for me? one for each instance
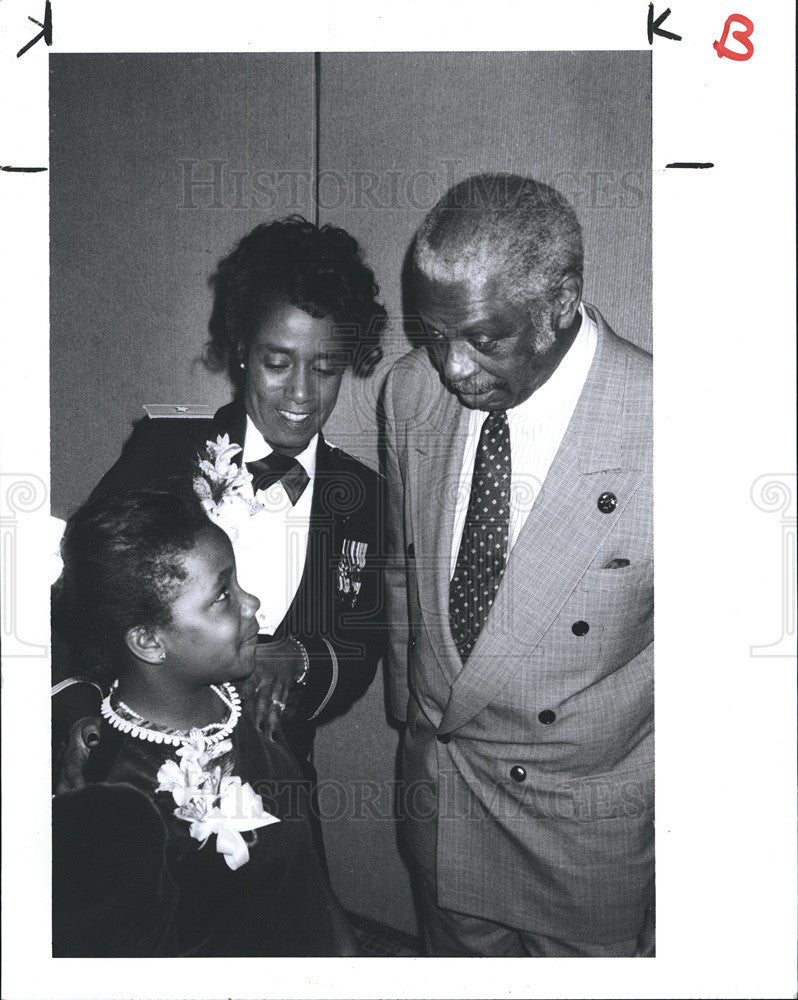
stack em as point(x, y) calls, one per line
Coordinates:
point(724, 327)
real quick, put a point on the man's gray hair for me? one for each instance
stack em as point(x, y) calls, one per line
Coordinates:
point(503, 225)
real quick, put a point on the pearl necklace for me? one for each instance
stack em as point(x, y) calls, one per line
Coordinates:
point(172, 737)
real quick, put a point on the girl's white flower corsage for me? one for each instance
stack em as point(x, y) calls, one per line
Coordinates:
point(220, 485)
point(210, 802)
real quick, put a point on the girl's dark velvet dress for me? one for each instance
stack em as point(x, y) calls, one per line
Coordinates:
point(130, 880)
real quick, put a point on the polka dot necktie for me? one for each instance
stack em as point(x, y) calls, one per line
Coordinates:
point(483, 547)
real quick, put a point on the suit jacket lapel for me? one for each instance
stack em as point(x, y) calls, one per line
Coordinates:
point(305, 607)
point(560, 538)
point(435, 465)
point(324, 475)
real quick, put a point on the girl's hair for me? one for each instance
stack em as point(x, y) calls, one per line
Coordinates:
point(293, 262)
point(123, 560)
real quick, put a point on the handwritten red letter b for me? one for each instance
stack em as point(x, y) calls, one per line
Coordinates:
point(743, 37)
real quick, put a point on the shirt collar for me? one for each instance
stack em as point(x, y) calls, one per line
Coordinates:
point(569, 375)
point(257, 447)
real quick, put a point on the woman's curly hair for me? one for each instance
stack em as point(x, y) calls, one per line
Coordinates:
point(123, 561)
point(319, 270)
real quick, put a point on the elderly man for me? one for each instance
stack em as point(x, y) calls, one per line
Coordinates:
point(518, 458)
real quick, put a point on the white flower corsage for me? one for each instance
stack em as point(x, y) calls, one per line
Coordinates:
point(210, 802)
point(220, 485)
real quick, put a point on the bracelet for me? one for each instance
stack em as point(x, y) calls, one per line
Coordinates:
point(302, 679)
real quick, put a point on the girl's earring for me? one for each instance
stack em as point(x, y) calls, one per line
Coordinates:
point(162, 655)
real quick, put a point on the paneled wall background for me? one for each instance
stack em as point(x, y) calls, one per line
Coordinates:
point(160, 163)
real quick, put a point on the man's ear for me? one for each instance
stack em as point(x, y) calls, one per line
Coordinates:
point(145, 645)
point(567, 298)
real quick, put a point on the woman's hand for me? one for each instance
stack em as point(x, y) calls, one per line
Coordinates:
point(278, 666)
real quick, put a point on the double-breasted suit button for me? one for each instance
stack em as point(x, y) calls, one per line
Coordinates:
point(607, 502)
point(443, 738)
point(580, 628)
point(518, 773)
point(547, 717)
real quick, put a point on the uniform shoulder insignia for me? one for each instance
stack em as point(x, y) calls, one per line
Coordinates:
point(344, 458)
point(186, 411)
point(338, 456)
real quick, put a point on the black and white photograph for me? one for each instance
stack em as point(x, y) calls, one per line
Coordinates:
point(360, 452)
point(364, 308)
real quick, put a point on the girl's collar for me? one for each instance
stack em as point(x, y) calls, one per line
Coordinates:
point(123, 718)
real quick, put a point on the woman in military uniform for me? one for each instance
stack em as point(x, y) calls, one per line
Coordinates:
point(294, 307)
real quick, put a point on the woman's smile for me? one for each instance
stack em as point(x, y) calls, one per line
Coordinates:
point(295, 418)
point(293, 374)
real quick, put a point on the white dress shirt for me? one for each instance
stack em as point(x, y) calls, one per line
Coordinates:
point(271, 553)
point(537, 427)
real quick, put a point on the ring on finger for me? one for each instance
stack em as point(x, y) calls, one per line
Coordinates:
point(279, 704)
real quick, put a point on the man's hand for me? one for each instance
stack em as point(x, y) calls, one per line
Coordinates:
point(278, 665)
point(81, 739)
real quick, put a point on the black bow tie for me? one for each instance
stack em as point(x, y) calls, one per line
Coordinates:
point(267, 471)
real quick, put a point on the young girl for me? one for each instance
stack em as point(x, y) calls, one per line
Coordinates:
point(191, 835)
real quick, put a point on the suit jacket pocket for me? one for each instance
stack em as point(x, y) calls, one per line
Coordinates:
point(582, 799)
point(622, 602)
point(628, 795)
point(636, 580)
